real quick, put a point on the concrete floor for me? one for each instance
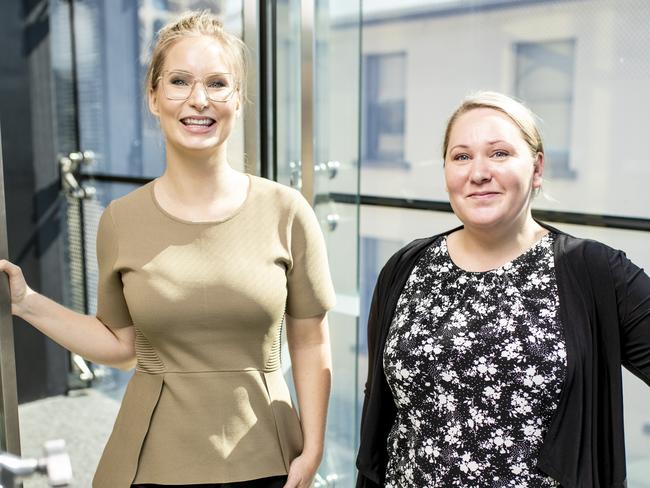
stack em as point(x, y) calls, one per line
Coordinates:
point(84, 419)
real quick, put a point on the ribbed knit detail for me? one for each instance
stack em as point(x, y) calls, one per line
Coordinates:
point(274, 360)
point(148, 360)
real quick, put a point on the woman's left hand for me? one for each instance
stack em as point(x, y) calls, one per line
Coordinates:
point(302, 471)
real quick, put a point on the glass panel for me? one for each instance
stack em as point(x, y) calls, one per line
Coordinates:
point(336, 104)
point(288, 92)
point(336, 108)
point(582, 66)
point(113, 43)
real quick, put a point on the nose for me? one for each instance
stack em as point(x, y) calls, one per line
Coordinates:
point(480, 171)
point(198, 97)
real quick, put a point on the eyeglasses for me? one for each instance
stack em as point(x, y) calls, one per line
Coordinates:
point(178, 85)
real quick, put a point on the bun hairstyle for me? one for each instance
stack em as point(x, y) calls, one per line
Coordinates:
point(198, 23)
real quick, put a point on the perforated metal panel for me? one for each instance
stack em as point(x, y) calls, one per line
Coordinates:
point(75, 294)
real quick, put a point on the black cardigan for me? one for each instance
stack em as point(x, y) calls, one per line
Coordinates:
point(605, 312)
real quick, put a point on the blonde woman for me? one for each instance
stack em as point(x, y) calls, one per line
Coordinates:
point(495, 349)
point(196, 272)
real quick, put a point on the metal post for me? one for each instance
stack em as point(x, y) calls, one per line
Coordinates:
point(251, 111)
point(9, 432)
point(307, 98)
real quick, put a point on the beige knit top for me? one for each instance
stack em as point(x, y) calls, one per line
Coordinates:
point(208, 402)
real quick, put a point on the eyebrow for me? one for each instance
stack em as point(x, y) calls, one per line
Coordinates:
point(489, 143)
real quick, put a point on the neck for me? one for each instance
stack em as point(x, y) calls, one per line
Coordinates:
point(481, 249)
point(197, 175)
point(515, 235)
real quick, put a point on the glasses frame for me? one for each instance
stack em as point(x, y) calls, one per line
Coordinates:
point(235, 87)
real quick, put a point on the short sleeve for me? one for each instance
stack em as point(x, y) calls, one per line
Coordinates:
point(310, 289)
point(112, 309)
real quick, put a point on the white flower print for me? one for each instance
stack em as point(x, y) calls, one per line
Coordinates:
point(475, 362)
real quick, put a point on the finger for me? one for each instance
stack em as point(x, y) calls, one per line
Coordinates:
point(292, 482)
point(10, 268)
point(6, 264)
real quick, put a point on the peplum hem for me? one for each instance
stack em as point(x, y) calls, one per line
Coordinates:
point(287, 424)
point(119, 462)
point(201, 427)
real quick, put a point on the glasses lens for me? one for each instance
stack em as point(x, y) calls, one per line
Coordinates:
point(178, 85)
point(219, 86)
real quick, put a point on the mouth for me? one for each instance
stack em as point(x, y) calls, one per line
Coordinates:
point(483, 194)
point(198, 121)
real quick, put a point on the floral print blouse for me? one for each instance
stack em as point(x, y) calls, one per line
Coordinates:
point(476, 362)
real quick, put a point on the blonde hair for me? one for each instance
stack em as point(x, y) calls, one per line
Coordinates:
point(198, 23)
point(521, 115)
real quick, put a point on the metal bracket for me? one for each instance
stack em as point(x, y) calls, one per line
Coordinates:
point(55, 464)
point(70, 166)
point(295, 174)
point(331, 167)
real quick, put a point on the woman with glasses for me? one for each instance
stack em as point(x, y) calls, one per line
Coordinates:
point(198, 271)
point(495, 349)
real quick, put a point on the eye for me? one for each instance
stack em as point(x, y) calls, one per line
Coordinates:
point(178, 81)
point(217, 82)
point(500, 154)
point(460, 157)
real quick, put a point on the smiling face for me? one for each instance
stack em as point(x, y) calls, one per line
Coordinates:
point(490, 172)
point(197, 124)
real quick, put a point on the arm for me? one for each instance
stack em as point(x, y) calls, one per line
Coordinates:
point(309, 347)
point(83, 334)
point(633, 301)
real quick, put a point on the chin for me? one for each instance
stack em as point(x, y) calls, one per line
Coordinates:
point(207, 144)
point(483, 221)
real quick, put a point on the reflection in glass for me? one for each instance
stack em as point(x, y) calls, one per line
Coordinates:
point(384, 108)
point(581, 65)
point(544, 78)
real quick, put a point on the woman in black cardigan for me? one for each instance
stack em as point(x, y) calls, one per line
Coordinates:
point(495, 349)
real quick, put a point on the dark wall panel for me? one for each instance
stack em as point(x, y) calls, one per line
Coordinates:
point(33, 203)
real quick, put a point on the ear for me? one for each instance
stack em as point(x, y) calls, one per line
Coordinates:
point(538, 170)
point(444, 170)
point(152, 99)
point(238, 104)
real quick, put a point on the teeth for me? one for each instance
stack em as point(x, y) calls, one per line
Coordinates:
point(197, 121)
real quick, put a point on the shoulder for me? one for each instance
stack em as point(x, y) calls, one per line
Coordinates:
point(588, 259)
point(132, 213)
point(583, 248)
point(276, 194)
point(407, 256)
point(133, 203)
point(417, 246)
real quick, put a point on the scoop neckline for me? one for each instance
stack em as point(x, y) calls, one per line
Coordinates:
point(173, 217)
point(499, 269)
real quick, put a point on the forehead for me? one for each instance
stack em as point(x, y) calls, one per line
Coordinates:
point(484, 124)
point(198, 54)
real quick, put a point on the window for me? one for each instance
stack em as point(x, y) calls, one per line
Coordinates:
point(384, 106)
point(544, 80)
point(374, 253)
